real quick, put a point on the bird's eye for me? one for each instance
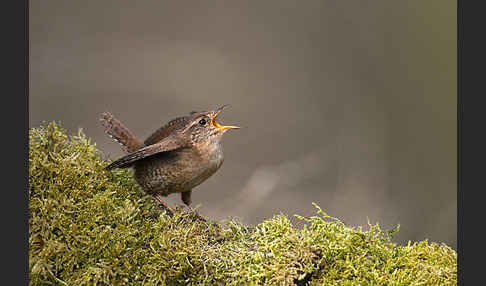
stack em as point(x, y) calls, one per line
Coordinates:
point(202, 122)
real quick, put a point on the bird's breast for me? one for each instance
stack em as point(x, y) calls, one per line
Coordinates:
point(213, 156)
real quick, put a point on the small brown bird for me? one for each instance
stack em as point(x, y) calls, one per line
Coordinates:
point(174, 159)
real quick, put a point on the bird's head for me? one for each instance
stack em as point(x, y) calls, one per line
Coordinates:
point(203, 126)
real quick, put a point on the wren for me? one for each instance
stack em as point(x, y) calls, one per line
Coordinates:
point(174, 159)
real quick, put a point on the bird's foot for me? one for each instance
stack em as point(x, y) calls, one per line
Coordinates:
point(165, 206)
point(196, 213)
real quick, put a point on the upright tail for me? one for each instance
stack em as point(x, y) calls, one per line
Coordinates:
point(116, 130)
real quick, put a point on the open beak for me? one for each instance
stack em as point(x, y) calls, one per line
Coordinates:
point(216, 125)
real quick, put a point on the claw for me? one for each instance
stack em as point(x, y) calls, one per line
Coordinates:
point(196, 213)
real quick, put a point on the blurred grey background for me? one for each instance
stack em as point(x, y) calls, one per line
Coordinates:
point(349, 104)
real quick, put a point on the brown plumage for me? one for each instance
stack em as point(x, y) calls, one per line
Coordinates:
point(116, 130)
point(174, 159)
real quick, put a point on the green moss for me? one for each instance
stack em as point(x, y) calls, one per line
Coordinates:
point(89, 226)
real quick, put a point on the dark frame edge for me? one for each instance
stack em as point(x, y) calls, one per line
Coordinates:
point(26, 93)
point(460, 220)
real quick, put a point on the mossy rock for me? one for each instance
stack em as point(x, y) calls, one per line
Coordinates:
point(89, 226)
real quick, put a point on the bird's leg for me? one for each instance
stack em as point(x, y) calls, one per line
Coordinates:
point(186, 199)
point(165, 206)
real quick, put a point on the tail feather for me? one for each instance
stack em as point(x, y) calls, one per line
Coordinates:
point(116, 130)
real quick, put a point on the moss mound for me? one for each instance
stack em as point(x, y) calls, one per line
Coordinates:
point(89, 226)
